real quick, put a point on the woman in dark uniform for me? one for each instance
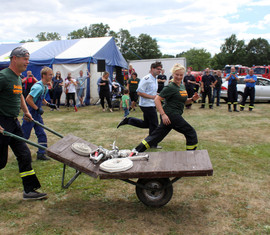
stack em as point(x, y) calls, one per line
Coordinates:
point(175, 97)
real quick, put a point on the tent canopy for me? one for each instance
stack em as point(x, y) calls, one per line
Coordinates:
point(87, 50)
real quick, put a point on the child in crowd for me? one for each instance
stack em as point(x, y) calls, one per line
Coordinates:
point(125, 102)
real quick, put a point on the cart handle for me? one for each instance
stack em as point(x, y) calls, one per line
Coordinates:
point(47, 128)
point(6, 133)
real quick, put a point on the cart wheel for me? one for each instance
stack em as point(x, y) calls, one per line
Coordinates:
point(153, 196)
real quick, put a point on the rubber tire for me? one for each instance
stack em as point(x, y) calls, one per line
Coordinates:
point(240, 96)
point(154, 198)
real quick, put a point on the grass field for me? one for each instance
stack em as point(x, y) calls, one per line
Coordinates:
point(235, 200)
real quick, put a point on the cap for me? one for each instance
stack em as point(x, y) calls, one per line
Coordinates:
point(19, 52)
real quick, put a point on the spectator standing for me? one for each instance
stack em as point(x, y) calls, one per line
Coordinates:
point(250, 81)
point(131, 70)
point(217, 88)
point(104, 84)
point(81, 82)
point(11, 101)
point(207, 83)
point(232, 79)
point(58, 83)
point(147, 90)
point(189, 82)
point(198, 79)
point(70, 91)
point(161, 78)
point(132, 86)
point(28, 82)
point(34, 100)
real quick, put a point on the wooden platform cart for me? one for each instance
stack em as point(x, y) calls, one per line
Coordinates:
point(155, 176)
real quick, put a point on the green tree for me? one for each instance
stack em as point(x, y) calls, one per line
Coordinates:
point(28, 40)
point(127, 44)
point(167, 56)
point(198, 59)
point(43, 36)
point(258, 51)
point(80, 33)
point(94, 30)
point(147, 47)
point(218, 61)
point(234, 51)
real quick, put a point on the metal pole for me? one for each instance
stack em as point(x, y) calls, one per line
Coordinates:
point(47, 128)
point(24, 140)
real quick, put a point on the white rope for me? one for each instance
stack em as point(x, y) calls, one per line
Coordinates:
point(81, 149)
point(116, 165)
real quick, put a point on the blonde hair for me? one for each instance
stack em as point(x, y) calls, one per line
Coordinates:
point(177, 67)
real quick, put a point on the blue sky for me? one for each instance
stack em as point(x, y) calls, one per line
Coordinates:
point(178, 25)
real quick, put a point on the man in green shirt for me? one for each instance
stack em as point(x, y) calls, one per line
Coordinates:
point(11, 101)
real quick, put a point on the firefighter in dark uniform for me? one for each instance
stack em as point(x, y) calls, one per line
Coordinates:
point(208, 82)
point(161, 78)
point(175, 97)
point(189, 82)
point(232, 79)
point(250, 81)
point(132, 86)
point(11, 100)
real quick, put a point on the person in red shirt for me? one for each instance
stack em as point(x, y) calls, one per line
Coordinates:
point(28, 82)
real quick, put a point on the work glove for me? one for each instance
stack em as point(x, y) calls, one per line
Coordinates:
point(52, 106)
point(40, 111)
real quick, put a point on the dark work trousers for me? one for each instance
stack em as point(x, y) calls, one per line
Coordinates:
point(179, 124)
point(249, 91)
point(20, 150)
point(71, 96)
point(102, 96)
point(57, 96)
point(207, 92)
point(232, 95)
point(190, 92)
point(150, 119)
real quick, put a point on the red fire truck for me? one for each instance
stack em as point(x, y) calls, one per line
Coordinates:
point(263, 71)
point(239, 69)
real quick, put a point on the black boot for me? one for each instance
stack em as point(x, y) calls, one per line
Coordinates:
point(235, 108)
point(42, 157)
point(229, 108)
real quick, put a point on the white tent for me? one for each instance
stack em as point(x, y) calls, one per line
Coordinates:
point(70, 56)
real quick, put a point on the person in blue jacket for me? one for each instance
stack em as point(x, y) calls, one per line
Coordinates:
point(34, 100)
point(250, 81)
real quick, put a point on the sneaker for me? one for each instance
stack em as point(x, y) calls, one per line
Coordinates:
point(156, 147)
point(123, 122)
point(34, 195)
point(42, 157)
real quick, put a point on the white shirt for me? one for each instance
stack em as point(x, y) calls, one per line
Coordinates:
point(147, 85)
point(71, 87)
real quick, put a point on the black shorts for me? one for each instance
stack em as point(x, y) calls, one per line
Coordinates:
point(133, 96)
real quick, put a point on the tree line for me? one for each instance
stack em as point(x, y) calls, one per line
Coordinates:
point(232, 51)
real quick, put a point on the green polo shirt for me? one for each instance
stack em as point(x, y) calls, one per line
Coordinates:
point(10, 93)
point(175, 98)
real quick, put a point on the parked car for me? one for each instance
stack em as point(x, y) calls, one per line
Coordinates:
point(262, 89)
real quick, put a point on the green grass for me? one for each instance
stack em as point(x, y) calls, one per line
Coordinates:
point(235, 200)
